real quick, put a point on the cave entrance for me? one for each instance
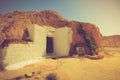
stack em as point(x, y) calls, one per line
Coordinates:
point(49, 45)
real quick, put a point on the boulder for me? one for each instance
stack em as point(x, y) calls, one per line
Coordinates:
point(13, 25)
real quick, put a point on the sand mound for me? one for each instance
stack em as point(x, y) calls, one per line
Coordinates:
point(77, 68)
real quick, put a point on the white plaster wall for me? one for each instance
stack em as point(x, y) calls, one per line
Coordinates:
point(50, 31)
point(22, 52)
point(62, 40)
point(17, 53)
point(38, 34)
point(62, 37)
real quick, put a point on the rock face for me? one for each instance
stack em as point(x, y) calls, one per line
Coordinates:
point(112, 41)
point(13, 25)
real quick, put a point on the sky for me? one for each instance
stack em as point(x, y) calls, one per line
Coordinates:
point(103, 13)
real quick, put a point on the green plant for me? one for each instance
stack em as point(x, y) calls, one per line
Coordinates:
point(89, 41)
point(91, 44)
point(81, 29)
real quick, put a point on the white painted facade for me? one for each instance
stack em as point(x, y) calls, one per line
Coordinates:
point(62, 40)
point(17, 53)
point(23, 52)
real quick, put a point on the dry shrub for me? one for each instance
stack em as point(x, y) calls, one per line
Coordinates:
point(51, 76)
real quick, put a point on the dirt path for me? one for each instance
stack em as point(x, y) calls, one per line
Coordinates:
point(107, 68)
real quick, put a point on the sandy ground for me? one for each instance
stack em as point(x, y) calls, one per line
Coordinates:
point(76, 68)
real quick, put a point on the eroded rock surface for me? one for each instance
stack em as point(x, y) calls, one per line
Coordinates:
point(13, 25)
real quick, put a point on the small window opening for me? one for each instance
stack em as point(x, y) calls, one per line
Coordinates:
point(80, 50)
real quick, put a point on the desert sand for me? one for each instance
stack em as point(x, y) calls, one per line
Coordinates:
point(75, 68)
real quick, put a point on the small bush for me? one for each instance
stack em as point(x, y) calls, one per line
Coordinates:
point(89, 41)
point(51, 76)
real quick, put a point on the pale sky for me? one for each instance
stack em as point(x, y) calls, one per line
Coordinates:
point(104, 13)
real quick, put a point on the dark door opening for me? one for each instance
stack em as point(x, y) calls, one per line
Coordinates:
point(49, 46)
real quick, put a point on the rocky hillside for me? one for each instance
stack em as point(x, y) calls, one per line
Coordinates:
point(12, 25)
point(112, 41)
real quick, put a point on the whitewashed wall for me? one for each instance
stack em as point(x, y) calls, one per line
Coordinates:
point(21, 52)
point(62, 40)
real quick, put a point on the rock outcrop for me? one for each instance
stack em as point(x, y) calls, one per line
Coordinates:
point(112, 41)
point(13, 25)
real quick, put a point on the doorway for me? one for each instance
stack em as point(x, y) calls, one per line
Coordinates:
point(49, 46)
